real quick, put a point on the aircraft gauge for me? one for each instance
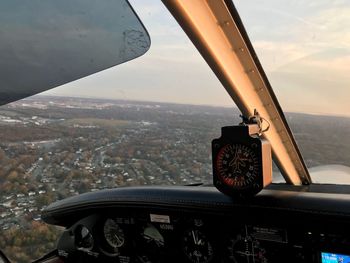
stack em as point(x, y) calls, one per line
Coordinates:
point(242, 163)
point(197, 247)
point(150, 245)
point(83, 238)
point(113, 233)
point(244, 250)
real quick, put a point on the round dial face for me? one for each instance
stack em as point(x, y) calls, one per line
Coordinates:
point(237, 165)
point(152, 236)
point(150, 245)
point(113, 233)
point(83, 238)
point(242, 250)
point(197, 247)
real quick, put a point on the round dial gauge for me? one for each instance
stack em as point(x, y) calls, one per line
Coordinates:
point(113, 233)
point(152, 236)
point(150, 245)
point(197, 247)
point(239, 250)
point(83, 238)
point(245, 250)
point(237, 165)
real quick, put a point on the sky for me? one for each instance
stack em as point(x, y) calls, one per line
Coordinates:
point(171, 71)
point(304, 47)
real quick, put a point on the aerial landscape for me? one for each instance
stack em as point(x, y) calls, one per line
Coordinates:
point(55, 147)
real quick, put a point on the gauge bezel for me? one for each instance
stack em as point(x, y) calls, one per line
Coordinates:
point(238, 135)
point(143, 246)
point(78, 233)
point(198, 225)
point(107, 239)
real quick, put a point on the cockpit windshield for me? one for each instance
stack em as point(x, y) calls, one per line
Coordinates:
point(304, 48)
point(151, 120)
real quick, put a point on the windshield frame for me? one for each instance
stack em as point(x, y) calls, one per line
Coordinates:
point(218, 33)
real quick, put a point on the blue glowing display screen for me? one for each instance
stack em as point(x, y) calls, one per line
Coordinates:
point(334, 258)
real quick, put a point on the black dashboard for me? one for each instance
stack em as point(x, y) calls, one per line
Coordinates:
point(201, 225)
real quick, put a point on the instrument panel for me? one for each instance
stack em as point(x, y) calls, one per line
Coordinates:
point(160, 237)
point(201, 225)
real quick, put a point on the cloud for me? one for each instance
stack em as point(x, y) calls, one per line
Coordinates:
point(304, 47)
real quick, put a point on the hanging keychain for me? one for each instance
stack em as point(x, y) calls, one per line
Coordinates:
point(242, 163)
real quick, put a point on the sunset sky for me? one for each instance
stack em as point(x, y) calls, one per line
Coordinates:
point(303, 46)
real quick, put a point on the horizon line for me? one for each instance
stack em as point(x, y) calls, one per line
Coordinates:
point(233, 106)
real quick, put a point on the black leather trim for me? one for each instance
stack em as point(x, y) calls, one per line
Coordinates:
point(203, 199)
